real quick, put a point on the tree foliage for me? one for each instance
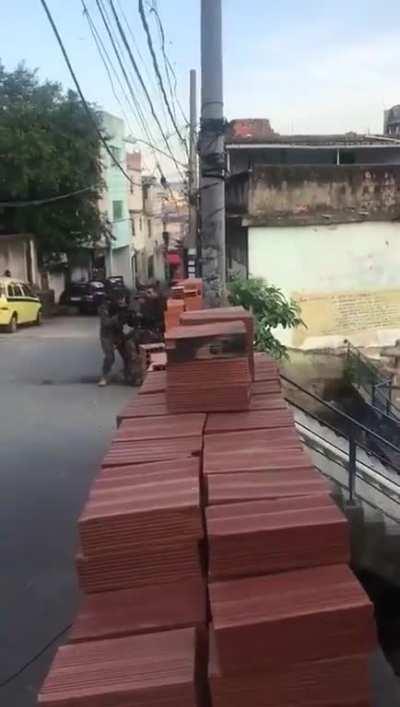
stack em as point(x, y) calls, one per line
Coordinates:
point(271, 309)
point(48, 147)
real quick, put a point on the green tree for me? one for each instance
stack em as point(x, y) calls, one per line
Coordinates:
point(48, 147)
point(271, 309)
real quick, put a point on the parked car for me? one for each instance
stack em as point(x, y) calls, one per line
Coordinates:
point(87, 296)
point(18, 304)
point(115, 282)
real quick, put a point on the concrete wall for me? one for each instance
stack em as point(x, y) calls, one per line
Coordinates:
point(321, 195)
point(346, 277)
point(16, 252)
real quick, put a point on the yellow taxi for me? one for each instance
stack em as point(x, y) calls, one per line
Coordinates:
point(18, 304)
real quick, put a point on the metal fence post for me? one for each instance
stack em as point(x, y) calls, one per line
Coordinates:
point(352, 464)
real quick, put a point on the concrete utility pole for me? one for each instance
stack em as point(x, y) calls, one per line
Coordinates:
point(212, 195)
point(192, 244)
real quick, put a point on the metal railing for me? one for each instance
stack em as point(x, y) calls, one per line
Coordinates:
point(354, 432)
point(377, 386)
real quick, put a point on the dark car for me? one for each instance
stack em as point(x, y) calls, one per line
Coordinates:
point(86, 296)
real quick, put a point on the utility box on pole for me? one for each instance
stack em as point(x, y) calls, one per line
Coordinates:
point(212, 185)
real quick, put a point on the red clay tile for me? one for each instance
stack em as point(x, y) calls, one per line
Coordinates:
point(155, 382)
point(262, 537)
point(145, 610)
point(252, 420)
point(146, 670)
point(253, 450)
point(201, 374)
point(206, 341)
point(215, 399)
point(152, 405)
point(270, 387)
point(166, 427)
point(271, 401)
point(140, 565)
point(143, 514)
point(248, 486)
point(225, 314)
point(125, 453)
point(145, 474)
point(339, 682)
point(310, 614)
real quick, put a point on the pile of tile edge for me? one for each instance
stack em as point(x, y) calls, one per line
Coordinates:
point(290, 624)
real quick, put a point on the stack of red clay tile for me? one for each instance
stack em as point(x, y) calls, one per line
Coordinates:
point(175, 307)
point(193, 294)
point(208, 368)
point(290, 625)
point(224, 314)
point(146, 351)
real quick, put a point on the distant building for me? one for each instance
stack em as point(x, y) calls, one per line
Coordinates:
point(392, 121)
point(114, 203)
point(318, 216)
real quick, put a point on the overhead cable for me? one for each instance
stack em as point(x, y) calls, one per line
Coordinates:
point(169, 69)
point(142, 83)
point(42, 202)
point(158, 72)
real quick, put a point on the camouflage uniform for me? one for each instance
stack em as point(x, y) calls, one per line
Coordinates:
point(112, 338)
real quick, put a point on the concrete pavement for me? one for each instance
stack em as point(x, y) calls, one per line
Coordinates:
point(55, 425)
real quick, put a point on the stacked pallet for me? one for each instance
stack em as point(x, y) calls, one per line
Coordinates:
point(224, 477)
point(208, 368)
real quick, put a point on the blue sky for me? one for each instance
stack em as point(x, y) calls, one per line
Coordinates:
point(308, 66)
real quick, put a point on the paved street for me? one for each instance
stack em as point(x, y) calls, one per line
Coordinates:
point(55, 425)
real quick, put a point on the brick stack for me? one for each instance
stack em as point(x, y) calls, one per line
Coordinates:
point(140, 636)
point(208, 368)
point(146, 351)
point(148, 670)
point(175, 307)
point(193, 294)
point(289, 624)
point(224, 314)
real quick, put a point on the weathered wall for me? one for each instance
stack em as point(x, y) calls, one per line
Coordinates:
point(345, 277)
point(283, 195)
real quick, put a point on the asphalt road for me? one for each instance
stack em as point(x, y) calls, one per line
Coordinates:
point(55, 425)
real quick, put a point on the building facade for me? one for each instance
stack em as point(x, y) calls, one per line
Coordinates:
point(391, 125)
point(318, 216)
point(115, 201)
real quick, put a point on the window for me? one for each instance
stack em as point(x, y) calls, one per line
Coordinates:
point(150, 228)
point(118, 211)
point(347, 157)
point(131, 186)
point(14, 291)
point(27, 291)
